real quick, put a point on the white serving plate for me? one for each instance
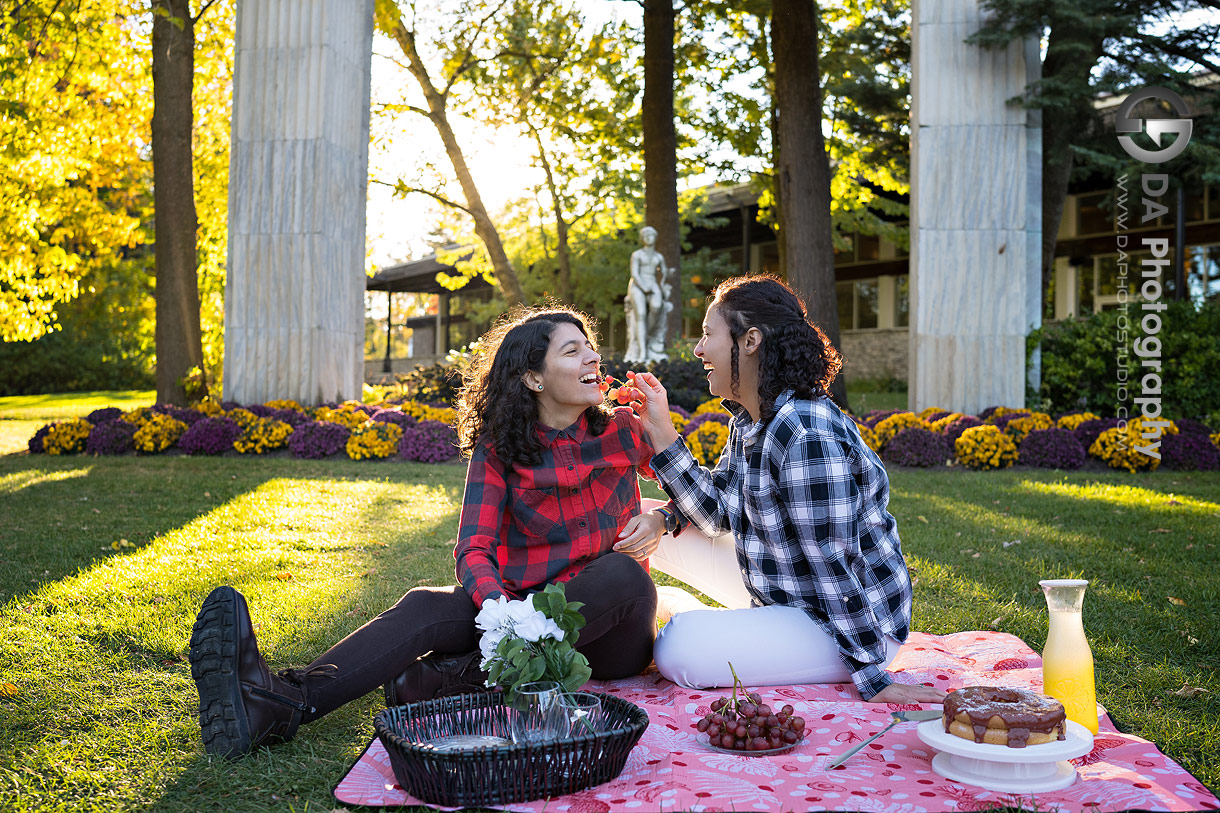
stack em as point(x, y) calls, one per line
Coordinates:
point(1033, 769)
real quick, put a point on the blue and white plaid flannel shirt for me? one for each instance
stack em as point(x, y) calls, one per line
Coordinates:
point(806, 501)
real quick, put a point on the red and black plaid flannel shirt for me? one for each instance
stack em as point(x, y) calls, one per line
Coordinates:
point(523, 528)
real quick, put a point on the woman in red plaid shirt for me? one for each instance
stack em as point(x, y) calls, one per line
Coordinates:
point(551, 496)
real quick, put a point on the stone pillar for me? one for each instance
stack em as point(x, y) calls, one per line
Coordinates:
point(298, 174)
point(976, 216)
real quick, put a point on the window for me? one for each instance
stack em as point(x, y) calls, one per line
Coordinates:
point(902, 301)
point(1203, 273)
point(1091, 217)
point(858, 304)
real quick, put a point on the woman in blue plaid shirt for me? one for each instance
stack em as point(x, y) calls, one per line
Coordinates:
point(806, 501)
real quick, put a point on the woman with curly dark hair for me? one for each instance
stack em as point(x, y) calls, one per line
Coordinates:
point(805, 500)
point(551, 496)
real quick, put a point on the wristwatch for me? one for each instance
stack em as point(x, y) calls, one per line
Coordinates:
point(671, 520)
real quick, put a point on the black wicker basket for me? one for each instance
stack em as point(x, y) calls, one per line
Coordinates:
point(502, 774)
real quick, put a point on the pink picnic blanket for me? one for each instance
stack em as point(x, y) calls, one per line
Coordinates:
point(670, 771)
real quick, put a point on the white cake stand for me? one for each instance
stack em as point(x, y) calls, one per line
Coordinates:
point(1033, 769)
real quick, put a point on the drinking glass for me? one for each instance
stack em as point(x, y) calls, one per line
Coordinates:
point(581, 712)
point(536, 713)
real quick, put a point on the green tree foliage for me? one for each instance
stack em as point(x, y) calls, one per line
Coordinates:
point(75, 175)
point(1094, 47)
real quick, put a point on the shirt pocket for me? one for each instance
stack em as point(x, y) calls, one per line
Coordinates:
point(536, 511)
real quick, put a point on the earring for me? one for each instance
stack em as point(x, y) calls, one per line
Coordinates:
point(539, 388)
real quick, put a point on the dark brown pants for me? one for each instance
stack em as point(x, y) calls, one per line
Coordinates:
point(620, 625)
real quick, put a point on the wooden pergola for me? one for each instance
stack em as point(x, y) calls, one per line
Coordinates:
point(419, 277)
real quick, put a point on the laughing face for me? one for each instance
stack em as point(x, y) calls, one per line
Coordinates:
point(569, 377)
point(715, 350)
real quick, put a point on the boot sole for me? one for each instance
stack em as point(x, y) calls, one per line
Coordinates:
point(214, 666)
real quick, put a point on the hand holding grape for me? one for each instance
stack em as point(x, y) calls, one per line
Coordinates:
point(651, 403)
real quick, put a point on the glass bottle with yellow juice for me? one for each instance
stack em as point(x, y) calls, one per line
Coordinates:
point(1067, 661)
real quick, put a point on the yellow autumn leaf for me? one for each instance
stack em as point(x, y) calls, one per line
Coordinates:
point(9, 690)
point(1175, 600)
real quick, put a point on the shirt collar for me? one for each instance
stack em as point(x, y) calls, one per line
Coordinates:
point(750, 429)
point(577, 431)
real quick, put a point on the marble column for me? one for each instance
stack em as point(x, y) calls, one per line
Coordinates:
point(298, 175)
point(976, 214)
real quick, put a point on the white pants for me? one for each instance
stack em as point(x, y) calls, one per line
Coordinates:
point(768, 646)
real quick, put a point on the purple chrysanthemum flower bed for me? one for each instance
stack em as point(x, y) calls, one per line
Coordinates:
point(1002, 422)
point(110, 437)
point(428, 442)
point(683, 411)
point(1088, 431)
point(955, 428)
point(35, 443)
point(986, 413)
point(1189, 452)
point(292, 417)
point(318, 439)
point(916, 446)
point(876, 416)
point(103, 415)
point(1189, 426)
point(1052, 449)
point(936, 416)
point(210, 436)
point(229, 406)
point(190, 417)
point(261, 410)
point(394, 416)
point(703, 417)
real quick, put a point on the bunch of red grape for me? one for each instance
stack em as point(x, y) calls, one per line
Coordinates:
point(746, 723)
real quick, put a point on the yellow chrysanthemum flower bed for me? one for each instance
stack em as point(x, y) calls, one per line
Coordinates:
point(423, 412)
point(869, 436)
point(1073, 421)
point(244, 417)
point(887, 428)
point(67, 438)
point(1117, 447)
point(708, 441)
point(208, 407)
point(284, 403)
point(932, 410)
point(374, 439)
point(943, 423)
point(264, 435)
point(677, 420)
point(158, 433)
point(714, 405)
point(351, 418)
point(137, 416)
point(1019, 428)
point(1000, 412)
point(985, 447)
point(1215, 439)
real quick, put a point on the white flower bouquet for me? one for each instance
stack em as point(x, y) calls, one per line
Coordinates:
point(532, 639)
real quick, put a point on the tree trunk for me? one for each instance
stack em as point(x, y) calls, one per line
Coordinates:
point(803, 172)
point(179, 342)
point(506, 276)
point(661, 149)
point(1068, 60)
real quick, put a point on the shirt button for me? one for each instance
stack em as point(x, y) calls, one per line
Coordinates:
point(576, 490)
point(570, 468)
point(582, 523)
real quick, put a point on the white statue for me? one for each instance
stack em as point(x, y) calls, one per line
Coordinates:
point(647, 302)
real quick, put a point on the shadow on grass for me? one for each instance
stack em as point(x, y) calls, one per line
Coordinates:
point(373, 541)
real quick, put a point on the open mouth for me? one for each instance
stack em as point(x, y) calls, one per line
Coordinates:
point(590, 378)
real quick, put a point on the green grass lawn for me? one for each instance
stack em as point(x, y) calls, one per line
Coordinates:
point(53, 407)
point(103, 563)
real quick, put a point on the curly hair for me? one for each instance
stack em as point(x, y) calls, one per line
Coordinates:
point(495, 403)
point(795, 354)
